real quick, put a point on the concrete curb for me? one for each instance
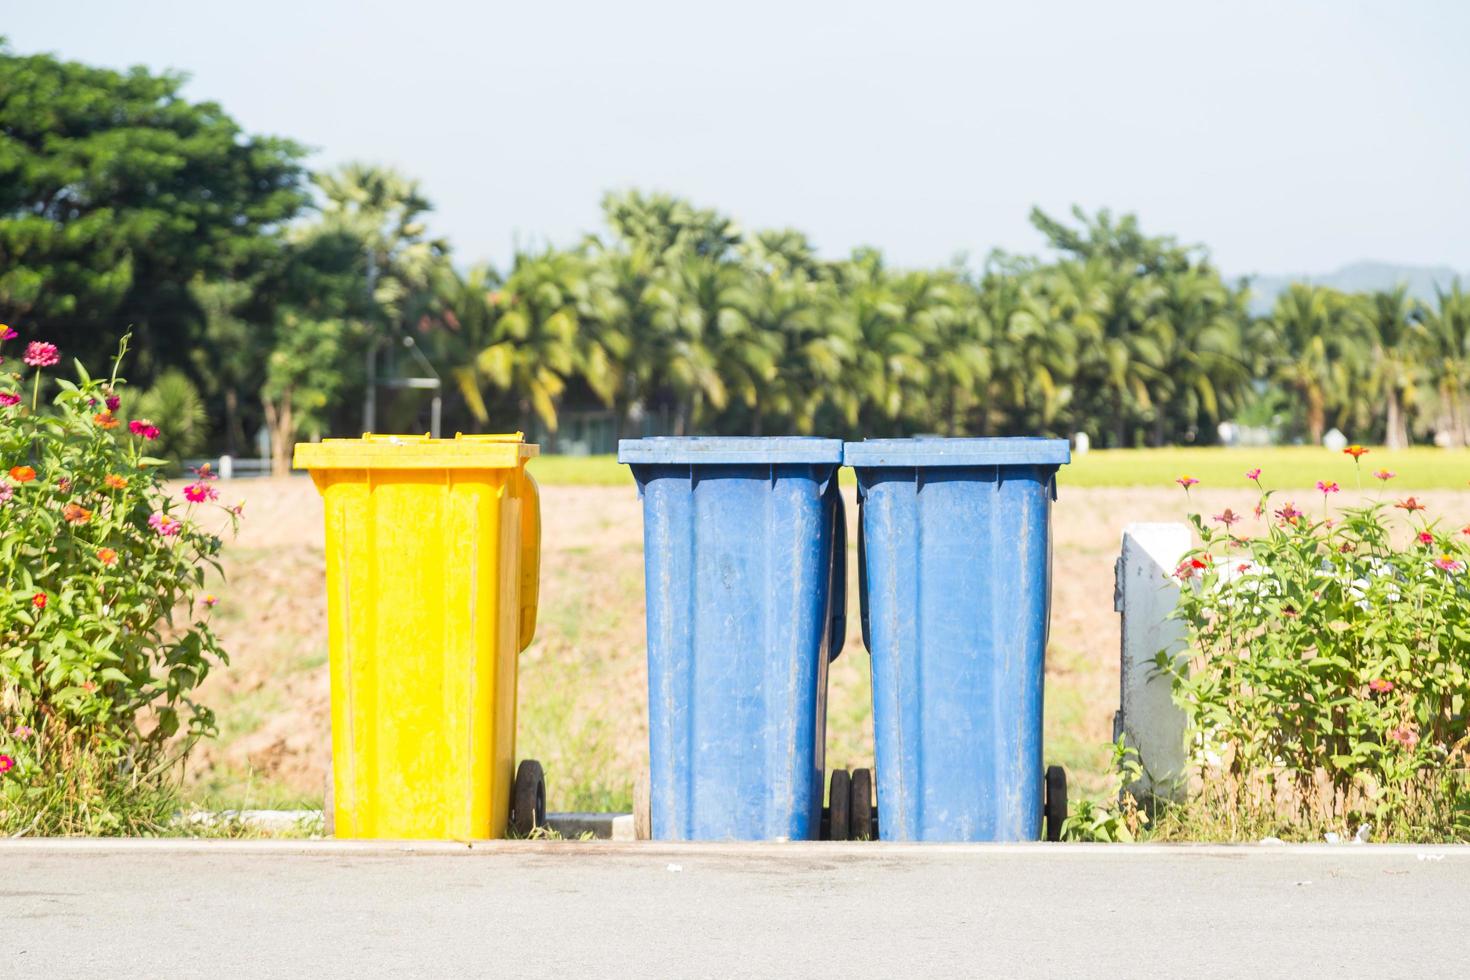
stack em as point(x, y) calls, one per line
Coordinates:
point(573, 826)
point(757, 850)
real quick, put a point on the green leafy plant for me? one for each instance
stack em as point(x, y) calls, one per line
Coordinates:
point(1118, 819)
point(1328, 671)
point(104, 630)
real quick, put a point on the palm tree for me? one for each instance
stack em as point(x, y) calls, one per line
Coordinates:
point(1394, 318)
point(1445, 339)
point(1121, 337)
point(1319, 340)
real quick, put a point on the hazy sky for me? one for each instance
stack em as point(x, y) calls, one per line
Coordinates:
point(1289, 137)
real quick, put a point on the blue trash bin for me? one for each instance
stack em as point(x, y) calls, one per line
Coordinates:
point(745, 560)
point(955, 584)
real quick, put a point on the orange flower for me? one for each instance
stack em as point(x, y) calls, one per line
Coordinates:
point(22, 474)
point(107, 556)
point(39, 600)
point(1355, 451)
point(76, 513)
point(106, 420)
point(115, 482)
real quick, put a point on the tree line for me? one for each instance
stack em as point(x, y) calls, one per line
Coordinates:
point(261, 294)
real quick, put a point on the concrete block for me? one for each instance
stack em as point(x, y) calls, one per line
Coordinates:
point(1146, 593)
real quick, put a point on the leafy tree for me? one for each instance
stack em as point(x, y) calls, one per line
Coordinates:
point(116, 192)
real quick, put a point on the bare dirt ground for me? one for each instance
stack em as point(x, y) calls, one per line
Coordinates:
point(582, 686)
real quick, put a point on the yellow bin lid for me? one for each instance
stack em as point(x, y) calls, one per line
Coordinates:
point(389, 452)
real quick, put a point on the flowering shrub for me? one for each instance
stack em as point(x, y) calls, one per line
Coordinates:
point(1327, 682)
point(102, 643)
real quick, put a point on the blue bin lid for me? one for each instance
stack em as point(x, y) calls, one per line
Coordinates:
point(730, 449)
point(938, 451)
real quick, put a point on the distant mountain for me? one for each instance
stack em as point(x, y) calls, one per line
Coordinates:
point(1358, 278)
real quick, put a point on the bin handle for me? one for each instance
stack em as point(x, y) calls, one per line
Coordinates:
point(837, 577)
point(530, 556)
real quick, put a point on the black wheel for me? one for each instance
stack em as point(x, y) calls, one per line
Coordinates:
point(839, 800)
point(861, 827)
point(1055, 806)
point(528, 799)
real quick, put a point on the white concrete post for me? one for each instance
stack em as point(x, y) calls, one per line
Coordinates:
point(1146, 593)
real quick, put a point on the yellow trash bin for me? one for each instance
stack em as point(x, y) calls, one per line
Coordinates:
point(433, 555)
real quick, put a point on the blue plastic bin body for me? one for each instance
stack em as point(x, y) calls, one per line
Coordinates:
point(955, 566)
point(745, 561)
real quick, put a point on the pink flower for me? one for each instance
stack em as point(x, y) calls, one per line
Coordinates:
point(197, 493)
point(1243, 567)
point(206, 472)
point(6, 764)
point(1385, 475)
point(1447, 564)
point(210, 600)
point(167, 526)
point(1186, 481)
point(23, 731)
point(1405, 736)
point(7, 333)
point(1327, 486)
point(1228, 518)
point(1254, 474)
point(1288, 514)
point(9, 398)
point(1188, 569)
point(1380, 686)
point(6, 492)
point(239, 509)
point(1426, 538)
point(144, 428)
point(41, 354)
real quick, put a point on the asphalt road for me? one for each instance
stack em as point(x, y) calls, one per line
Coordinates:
point(605, 909)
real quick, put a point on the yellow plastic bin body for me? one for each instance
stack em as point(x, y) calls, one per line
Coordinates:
point(433, 556)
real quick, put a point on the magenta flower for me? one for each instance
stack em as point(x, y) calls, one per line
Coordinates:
point(41, 354)
point(6, 763)
point(166, 526)
point(1288, 514)
point(1426, 538)
point(113, 403)
point(1254, 474)
point(1186, 481)
point(144, 428)
point(8, 398)
point(1327, 486)
point(7, 333)
point(197, 493)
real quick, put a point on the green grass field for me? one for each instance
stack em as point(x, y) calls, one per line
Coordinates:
point(1284, 467)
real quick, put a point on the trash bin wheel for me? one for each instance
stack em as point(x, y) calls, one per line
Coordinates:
point(839, 803)
point(861, 826)
point(1055, 806)
point(528, 800)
